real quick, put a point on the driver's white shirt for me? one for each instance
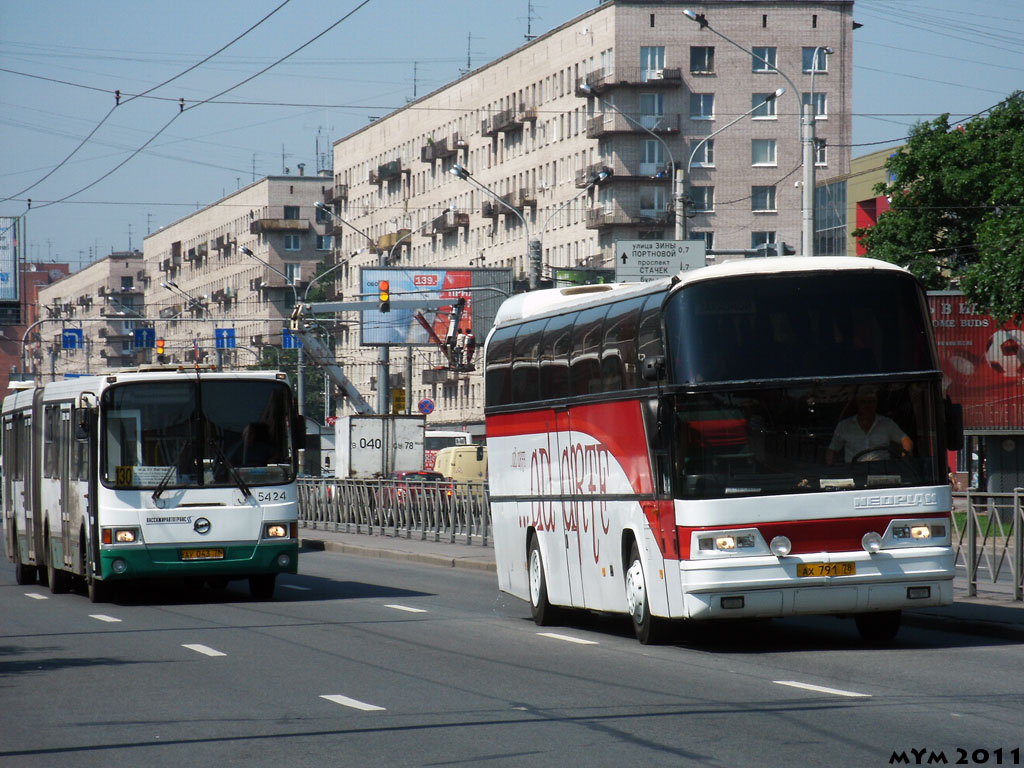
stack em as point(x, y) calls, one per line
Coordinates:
point(853, 440)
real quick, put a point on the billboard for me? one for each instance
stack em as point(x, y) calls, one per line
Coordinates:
point(982, 364)
point(482, 289)
point(9, 235)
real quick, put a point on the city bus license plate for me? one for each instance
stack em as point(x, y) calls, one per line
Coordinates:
point(202, 554)
point(826, 569)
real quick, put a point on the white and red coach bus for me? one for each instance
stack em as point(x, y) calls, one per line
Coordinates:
point(685, 449)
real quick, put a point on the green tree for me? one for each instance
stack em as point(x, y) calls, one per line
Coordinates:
point(957, 208)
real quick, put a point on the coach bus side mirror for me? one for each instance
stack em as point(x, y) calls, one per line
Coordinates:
point(654, 367)
point(954, 425)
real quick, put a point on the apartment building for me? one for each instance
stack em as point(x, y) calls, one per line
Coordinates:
point(636, 88)
point(191, 279)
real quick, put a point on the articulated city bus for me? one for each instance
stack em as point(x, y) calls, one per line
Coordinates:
point(152, 473)
point(760, 438)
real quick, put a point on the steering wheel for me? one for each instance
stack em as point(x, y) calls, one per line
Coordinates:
point(895, 452)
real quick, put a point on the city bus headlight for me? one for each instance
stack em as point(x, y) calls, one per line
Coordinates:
point(120, 535)
point(276, 531)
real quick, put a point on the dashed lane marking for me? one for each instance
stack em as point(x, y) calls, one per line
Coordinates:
point(104, 617)
point(406, 608)
point(203, 649)
point(567, 638)
point(345, 701)
point(823, 689)
point(36, 596)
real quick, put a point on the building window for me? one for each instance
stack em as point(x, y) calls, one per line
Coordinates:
point(812, 63)
point(652, 201)
point(704, 155)
point(766, 110)
point(653, 163)
point(652, 109)
point(758, 239)
point(820, 107)
point(293, 272)
point(762, 152)
point(702, 59)
point(652, 62)
point(291, 212)
point(703, 199)
point(127, 282)
point(764, 59)
point(820, 154)
point(702, 106)
point(322, 217)
point(707, 237)
point(324, 242)
point(293, 242)
point(762, 199)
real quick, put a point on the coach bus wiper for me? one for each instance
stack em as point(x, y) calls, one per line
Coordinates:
point(232, 470)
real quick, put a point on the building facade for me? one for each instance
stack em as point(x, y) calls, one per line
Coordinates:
point(634, 88)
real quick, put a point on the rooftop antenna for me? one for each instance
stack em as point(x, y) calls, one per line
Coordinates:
point(469, 54)
point(529, 21)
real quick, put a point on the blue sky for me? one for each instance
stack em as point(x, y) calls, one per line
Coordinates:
point(913, 59)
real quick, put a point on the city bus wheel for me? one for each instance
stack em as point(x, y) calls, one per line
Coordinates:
point(23, 574)
point(544, 614)
point(649, 629)
point(878, 628)
point(261, 586)
point(57, 577)
point(99, 591)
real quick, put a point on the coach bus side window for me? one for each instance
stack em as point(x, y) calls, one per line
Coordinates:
point(618, 352)
point(526, 362)
point(499, 358)
point(554, 357)
point(585, 360)
point(649, 342)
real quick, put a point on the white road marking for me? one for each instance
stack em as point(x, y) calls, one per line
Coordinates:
point(823, 689)
point(567, 638)
point(296, 586)
point(345, 701)
point(204, 649)
point(104, 617)
point(406, 608)
point(36, 596)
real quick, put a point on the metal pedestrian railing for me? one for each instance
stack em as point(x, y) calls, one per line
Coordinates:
point(436, 509)
point(988, 536)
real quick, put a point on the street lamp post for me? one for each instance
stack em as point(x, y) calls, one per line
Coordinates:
point(806, 128)
point(383, 351)
point(678, 181)
point(535, 251)
point(299, 374)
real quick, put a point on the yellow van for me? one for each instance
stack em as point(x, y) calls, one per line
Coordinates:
point(462, 463)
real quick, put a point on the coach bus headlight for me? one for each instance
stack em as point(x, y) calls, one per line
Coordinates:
point(871, 542)
point(781, 546)
point(727, 542)
point(276, 531)
point(918, 532)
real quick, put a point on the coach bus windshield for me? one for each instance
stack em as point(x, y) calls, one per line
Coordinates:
point(186, 433)
point(802, 382)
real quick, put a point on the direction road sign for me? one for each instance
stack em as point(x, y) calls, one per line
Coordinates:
point(72, 338)
point(144, 338)
point(225, 338)
point(640, 261)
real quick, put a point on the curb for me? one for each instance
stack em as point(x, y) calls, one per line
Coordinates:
point(382, 553)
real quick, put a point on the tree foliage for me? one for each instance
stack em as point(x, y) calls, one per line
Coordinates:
point(956, 216)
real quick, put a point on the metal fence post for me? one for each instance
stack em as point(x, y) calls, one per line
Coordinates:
point(972, 539)
point(1018, 545)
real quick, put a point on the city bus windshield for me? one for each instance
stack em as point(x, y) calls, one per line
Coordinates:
point(188, 433)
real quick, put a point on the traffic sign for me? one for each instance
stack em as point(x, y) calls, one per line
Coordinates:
point(225, 338)
point(290, 341)
point(72, 338)
point(144, 338)
point(397, 400)
point(641, 261)
point(426, 406)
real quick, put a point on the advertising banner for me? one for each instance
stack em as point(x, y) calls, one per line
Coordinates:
point(9, 259)
point(982, 363)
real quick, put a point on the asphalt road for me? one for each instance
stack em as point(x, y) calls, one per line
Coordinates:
point(373, 662)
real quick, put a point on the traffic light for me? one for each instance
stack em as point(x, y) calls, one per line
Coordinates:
point(160, 350)
point(384, 296)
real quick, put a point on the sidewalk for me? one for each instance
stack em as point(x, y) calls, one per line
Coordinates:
point(992, 613)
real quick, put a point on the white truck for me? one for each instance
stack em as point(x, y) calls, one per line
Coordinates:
point(369, 446)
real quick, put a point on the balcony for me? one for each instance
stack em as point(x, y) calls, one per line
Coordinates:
point(646, 172)
point(259, 226)
point(524, 197)
point(585, 176)
point(602, 80)
point(613, 122)
point(602, 218)
point(388, 241)
point(450, 222)
point(335, 193)
point(508, 120)
point(491, 210)
point(441, 148)
point(387, 172)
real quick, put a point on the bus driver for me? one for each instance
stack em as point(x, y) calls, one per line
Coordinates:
point(866, 435)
